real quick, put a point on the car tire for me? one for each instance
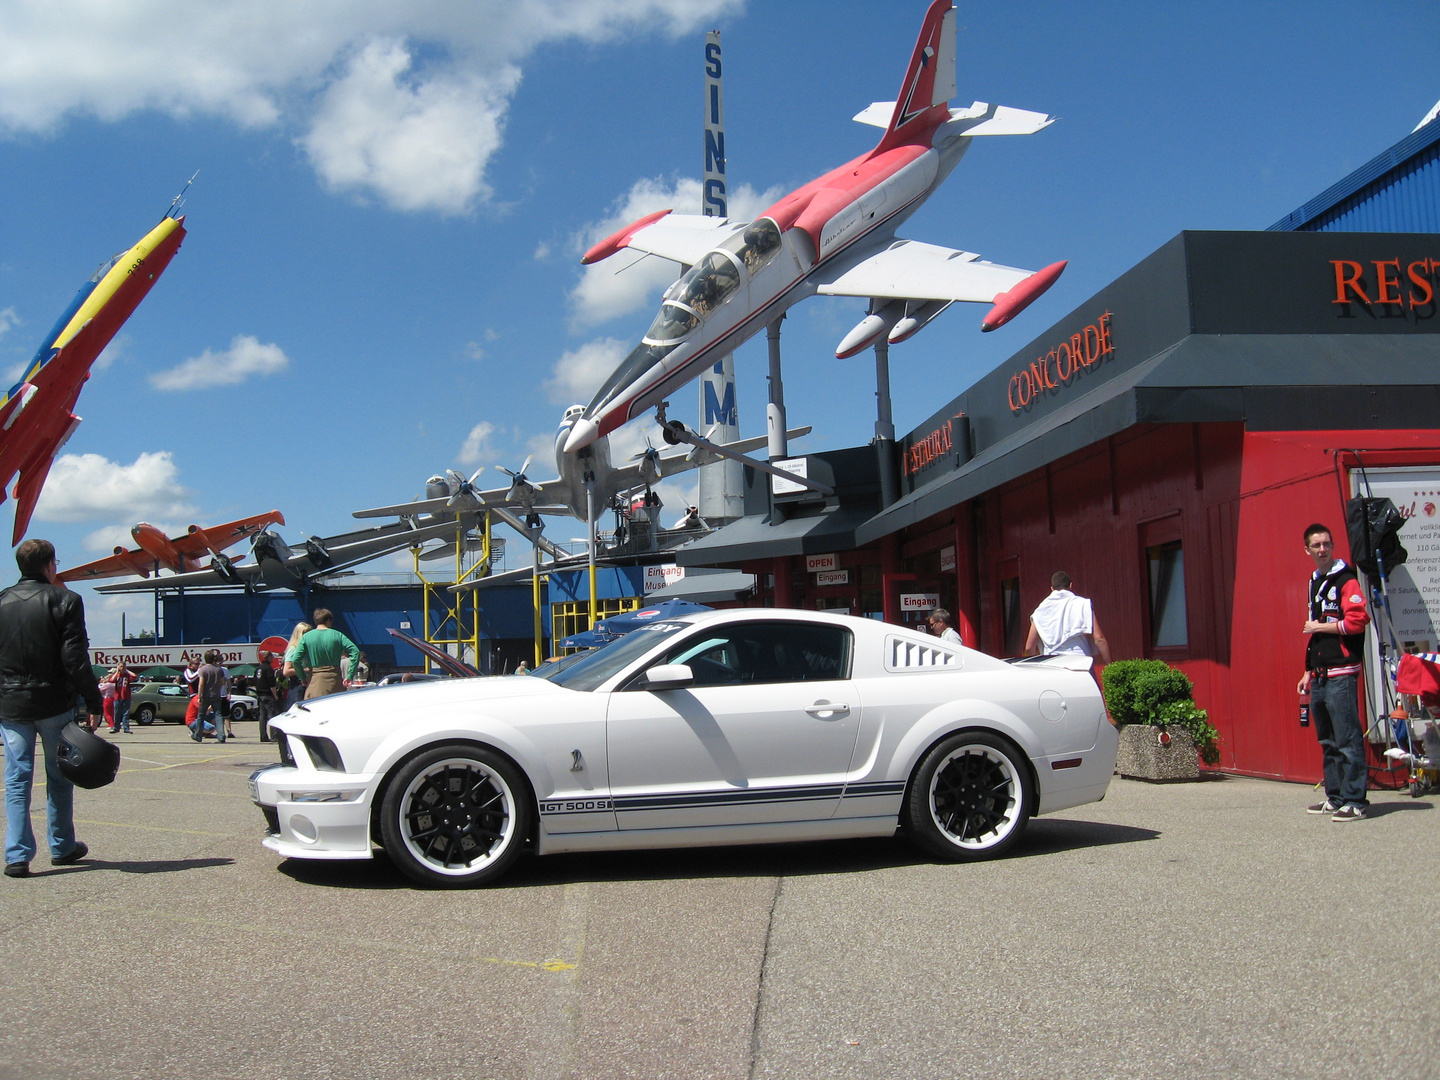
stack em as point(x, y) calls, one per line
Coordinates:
point(145, 715)
point(237, 712)
point(483, 808)
point(970, 797)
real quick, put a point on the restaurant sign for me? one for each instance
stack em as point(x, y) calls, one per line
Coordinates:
point(1056, 368)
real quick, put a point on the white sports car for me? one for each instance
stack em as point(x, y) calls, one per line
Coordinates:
point(727, 727)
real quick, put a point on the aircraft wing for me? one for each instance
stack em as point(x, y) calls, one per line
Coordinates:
point(127, 565)
point(909, 270)
point(682, 237)
point(193, 545)
point(678, 463)
point(332, 554)
point(547, 501)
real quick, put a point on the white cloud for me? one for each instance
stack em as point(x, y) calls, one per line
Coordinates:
point(339, 74)
point(245, 357)
point(627, 280)
point(420, 145)
point(579, 373)
point(477, 448)
point(8, 320)
point(87, 487)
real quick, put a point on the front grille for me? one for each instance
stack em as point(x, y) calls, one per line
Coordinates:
point(286, 757)
point(272, 820)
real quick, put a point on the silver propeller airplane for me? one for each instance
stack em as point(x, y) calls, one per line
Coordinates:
point(566, 494)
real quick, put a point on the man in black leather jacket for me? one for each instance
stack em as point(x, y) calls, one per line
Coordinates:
point(44, 667)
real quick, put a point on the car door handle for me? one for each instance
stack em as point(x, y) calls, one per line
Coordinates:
point(824, 710)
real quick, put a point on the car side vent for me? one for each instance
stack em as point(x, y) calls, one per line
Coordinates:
point(904, 655)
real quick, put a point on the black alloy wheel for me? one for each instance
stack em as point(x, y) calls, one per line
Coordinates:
point(237, 711)
point(455, 816)
point(145, 715)
point(970, 798)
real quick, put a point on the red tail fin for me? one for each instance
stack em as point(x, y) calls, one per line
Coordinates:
point(922, 104)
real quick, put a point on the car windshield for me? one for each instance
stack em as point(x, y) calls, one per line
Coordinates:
point(592, 669)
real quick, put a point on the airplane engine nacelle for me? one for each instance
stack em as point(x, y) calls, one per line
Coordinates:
point(870, 329)
point(319, 557)
point(224, 569)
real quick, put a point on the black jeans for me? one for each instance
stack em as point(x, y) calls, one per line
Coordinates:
point(265, 709)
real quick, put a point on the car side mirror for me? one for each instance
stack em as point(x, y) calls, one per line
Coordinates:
point(668, 677)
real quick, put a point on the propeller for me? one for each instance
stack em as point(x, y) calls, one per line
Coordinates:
point(521, 490)
point(649, 459)
point(461, 488)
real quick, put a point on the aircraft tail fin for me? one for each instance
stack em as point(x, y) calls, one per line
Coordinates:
point(27, 493)
point(32, 480)
point(929, 80)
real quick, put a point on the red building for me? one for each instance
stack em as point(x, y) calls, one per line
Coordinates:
point(1166, 444)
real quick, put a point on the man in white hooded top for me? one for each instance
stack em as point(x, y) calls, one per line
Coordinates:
point(1065, 623)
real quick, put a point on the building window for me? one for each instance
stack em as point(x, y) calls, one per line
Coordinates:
point(1166, 566)
point(1015, 623)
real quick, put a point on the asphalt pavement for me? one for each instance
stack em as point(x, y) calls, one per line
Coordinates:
point(1198, 930)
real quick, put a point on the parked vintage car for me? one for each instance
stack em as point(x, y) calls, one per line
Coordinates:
point(166, 701)
point(729, 727)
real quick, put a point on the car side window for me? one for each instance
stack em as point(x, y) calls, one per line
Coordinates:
point(766, 652)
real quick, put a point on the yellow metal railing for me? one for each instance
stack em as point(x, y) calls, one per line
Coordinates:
point(572, 616)
point(457, 621)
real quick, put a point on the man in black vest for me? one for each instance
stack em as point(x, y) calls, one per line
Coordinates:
point(44, 667)
point(1332, 673)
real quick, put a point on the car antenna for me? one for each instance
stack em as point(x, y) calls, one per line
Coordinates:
point(179, 200)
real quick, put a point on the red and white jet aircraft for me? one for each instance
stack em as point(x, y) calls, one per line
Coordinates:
point(835, 236)
point(180, 554)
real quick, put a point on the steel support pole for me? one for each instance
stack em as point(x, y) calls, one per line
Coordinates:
point(535, 582)
point(590, 547)
point(775, 410)
point(885, 426)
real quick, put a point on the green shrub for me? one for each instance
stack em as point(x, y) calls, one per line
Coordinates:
point(1119, 682)
point(1152, 692)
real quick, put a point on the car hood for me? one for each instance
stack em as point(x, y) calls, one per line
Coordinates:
point(360, 720)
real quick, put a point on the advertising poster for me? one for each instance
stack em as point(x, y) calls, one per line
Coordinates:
point(1414, 586)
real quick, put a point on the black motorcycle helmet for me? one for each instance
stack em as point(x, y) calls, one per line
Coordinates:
point(85, 759)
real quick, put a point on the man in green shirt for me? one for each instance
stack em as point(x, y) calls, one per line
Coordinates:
point(318, 654)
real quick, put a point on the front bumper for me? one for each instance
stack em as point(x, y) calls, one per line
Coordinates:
point(314, 815)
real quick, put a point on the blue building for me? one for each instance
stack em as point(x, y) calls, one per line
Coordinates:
point(1395, 191)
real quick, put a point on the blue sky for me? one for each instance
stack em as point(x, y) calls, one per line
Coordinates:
point(381, 278)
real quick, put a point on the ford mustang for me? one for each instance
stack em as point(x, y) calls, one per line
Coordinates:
point(726, 727)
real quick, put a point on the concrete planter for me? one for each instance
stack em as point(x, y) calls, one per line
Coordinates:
point(1143, 755)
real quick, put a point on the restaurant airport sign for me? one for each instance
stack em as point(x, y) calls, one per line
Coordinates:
point(140, 657)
